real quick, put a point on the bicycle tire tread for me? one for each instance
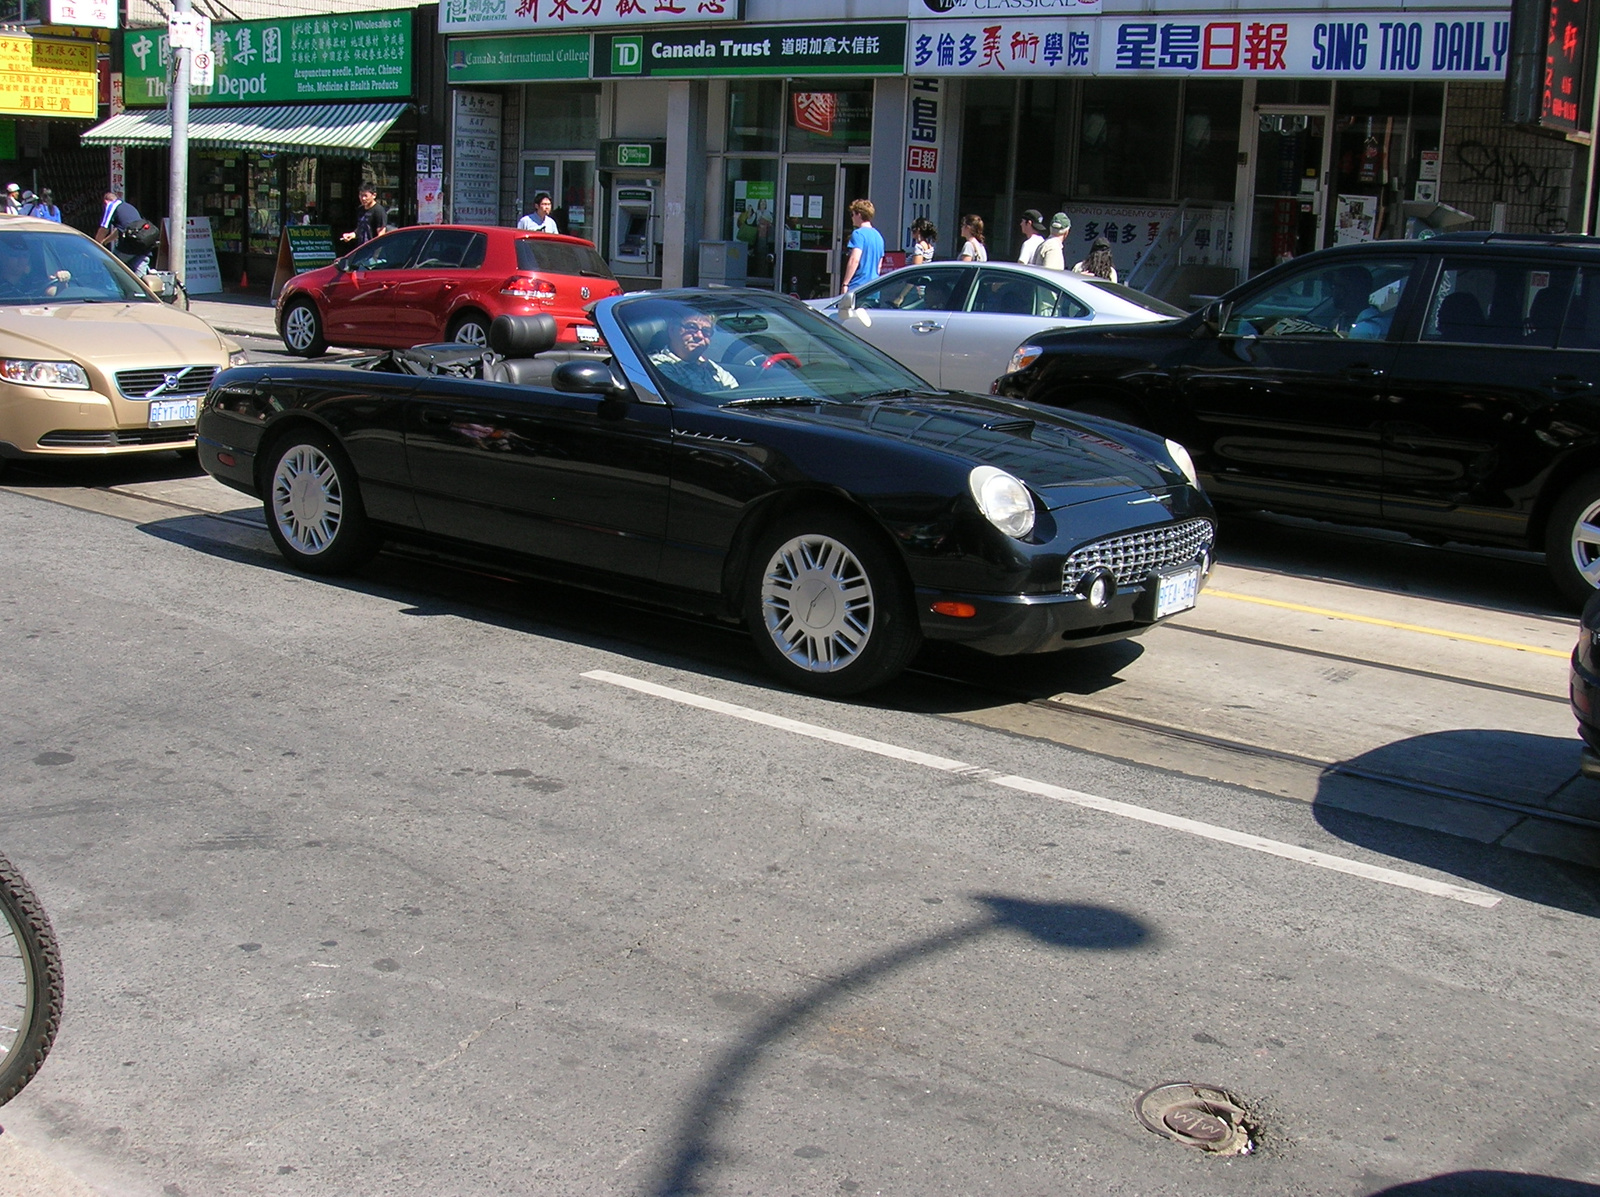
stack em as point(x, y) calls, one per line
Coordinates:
point(26, 914)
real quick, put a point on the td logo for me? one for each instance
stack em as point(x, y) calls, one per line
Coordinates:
point(627, 55)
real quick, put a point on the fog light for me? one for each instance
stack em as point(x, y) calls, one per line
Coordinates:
point(958, 610)
point(1098, 587)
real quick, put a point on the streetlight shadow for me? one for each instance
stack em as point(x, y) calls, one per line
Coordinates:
point(1065, 925)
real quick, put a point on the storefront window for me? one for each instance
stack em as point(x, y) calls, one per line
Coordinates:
point(382, 171)
point(301, 192)
point(561, 116)
point(829, 116)
point(986, 133)
point(751, 202)
point(755, 108)
point(1293, 91)
point(266, 204)
point(1380, 132)
point(217, 183)
point(1209, 156)
point(1126, 138)
point(1040, 147)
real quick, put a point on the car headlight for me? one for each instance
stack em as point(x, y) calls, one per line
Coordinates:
point(1024, 357)
point(1181, 459)
point(1004, 501)
point(238, 357)
point(43, 374)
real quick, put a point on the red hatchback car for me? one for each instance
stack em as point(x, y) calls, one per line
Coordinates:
point(431, 283)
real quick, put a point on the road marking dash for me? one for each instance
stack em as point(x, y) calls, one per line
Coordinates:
point(1040, 789)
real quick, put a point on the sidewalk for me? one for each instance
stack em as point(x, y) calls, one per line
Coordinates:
point(247, 314)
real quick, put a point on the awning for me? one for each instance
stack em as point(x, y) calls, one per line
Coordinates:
point(347, 130)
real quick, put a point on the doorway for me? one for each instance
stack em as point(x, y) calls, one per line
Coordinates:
point(1289, 188)
point(815, 205)
point(570, 181)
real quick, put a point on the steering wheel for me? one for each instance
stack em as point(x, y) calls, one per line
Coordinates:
point(781, 359)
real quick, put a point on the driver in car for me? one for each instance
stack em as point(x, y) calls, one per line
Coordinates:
point(684, 359)
point(21, 278)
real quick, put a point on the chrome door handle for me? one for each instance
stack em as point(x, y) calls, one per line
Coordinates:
point(926, 326)
point(1568, 382)
point(440, 418)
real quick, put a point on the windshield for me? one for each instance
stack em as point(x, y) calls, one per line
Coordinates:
point(62, 268)
point(736, 346)
point(1148, 302)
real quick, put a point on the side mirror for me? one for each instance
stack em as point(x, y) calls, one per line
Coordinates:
point(589, 378)
point(1214, 316)
point(846, 306)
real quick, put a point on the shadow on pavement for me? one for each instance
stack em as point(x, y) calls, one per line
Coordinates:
point(68, 472)
point(1395, 799)
point(1490, 1184)
point(1054, 924)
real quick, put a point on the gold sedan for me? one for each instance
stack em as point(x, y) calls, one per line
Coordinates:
point(92, 364)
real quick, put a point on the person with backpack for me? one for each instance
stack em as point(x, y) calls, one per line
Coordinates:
point(127, 234)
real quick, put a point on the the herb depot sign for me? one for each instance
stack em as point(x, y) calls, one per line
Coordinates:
point(352, 56)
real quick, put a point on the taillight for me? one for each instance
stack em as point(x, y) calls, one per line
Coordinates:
point(528, 286)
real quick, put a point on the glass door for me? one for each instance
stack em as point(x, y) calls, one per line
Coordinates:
point(575, 209)
point(811, 242)
point(1290, 186)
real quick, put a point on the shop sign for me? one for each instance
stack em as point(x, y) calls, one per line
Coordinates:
point(352, 56)
point(475, 157)
point(988, 10)
point(1565, 99)
point(774, 51)
point(459, 16)
point(1032, 46)
point(1133, 230)
point(923, 130)
point(42, 76)
point(310, 245)
point(201, 273)
point(525, 58)
point(97, 14)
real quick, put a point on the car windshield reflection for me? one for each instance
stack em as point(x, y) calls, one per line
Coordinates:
point(59, 268)
point(721, 349)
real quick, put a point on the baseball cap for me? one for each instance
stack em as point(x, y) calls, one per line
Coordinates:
point(12, 187)
point(28, 195)
point(1033, 216)
point(1061, 223)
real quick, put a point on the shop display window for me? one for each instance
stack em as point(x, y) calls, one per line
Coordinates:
point(381, 170)
point(1208, 155)
point(560, 116)
point(828, 116)
point(1126, 138)
point(755, 114)
point(265, 204)
point(751, 202)
point(218, 189)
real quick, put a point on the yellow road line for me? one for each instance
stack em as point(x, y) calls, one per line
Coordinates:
point(1388, 623)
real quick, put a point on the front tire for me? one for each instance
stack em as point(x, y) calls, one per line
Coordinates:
point(30, 969)
point(826, 604)
point(1572, 541)
point(470, 330)
point(313, 506)
point(302, 330)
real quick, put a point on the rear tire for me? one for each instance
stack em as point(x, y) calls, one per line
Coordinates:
point(313, 505)
point(30, 969)
point(1572, 540)
point(302, 330)
point(470, 330)
point(826, 605)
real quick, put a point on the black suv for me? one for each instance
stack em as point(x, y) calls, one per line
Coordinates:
point(1444, 387)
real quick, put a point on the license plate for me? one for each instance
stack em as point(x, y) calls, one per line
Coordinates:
point(588, 333)
point(1177, 591)
point(173, 411)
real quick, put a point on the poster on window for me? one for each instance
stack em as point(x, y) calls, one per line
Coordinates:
point(1355, 218)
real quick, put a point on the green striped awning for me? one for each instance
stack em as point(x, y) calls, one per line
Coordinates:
point(338, 129)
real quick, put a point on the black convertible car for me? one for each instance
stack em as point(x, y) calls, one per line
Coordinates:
point(738, 455)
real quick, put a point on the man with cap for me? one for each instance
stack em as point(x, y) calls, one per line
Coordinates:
point(1053, 253)
point(13, 205)
point(1032, 237)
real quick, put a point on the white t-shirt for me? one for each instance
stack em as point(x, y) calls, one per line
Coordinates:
point(972, 250)
point(531, 224)
point(1030, 250)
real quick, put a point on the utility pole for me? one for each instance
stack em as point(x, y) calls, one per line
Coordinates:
point(178, 173)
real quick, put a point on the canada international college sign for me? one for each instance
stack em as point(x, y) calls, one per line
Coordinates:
point(522, 58)
point(1366, 45)
point(41, 76)
point(352, 56)
point(771, 51)
point(551, 16)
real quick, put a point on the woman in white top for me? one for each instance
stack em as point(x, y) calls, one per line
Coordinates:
point(923, 236)
point(1098, 262)
point(972, 247)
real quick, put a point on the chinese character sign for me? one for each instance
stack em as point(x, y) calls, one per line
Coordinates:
point(46, 77)
point(924, 131)
point(101, 14)
point(458, 16)
point(1561, 99)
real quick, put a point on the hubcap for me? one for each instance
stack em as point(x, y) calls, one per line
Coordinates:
point(1586, 544)
point(472, 333)
point(307, 500)
point(300, 328)
point(817, 603)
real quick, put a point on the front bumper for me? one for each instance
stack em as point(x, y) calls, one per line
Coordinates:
point(71, 422)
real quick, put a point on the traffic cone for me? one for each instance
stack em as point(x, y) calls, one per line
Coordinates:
point(244, 279)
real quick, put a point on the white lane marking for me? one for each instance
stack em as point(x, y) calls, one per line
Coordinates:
point(1040, 789)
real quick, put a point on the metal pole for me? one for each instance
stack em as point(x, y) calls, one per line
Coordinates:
point(178, 174)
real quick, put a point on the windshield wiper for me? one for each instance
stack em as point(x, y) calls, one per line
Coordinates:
point(898, 393)
point(780, 401)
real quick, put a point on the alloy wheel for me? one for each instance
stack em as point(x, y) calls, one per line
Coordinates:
point(307, 499)
point(817, 603)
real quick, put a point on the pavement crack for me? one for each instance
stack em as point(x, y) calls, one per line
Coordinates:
point(463, 1046)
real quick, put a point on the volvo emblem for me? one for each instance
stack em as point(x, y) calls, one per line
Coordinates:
point(583, 292)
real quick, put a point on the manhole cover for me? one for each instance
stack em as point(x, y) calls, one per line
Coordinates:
point(1195, 1115)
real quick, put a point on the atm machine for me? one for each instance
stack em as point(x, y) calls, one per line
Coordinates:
point(631, 178)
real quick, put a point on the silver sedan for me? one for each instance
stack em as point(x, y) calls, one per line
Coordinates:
point(956, 323)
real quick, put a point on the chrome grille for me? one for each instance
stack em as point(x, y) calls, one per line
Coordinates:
point(187, 381)
point(76, 439)
point(1131, 558)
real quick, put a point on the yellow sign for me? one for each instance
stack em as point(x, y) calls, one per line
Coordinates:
point(46, 77)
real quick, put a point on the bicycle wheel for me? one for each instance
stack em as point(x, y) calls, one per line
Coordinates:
point(30, 983)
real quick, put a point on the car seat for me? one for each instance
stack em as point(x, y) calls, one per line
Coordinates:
point(1461, 318)
point(519, 339)
point(1014, 298)
point(1544, 316)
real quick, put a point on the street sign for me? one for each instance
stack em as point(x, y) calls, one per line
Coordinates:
point(203, 69)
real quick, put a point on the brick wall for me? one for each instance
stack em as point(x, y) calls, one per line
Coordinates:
point(1485, 161)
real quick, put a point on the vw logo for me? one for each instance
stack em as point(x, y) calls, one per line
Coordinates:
point(583, 292)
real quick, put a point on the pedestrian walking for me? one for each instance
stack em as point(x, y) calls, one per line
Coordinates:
point(13, 200)
point(127, 234)
point(924, 237)
point(864, 249)
point(538, 219)
point(973, 248)
point(372, 221)
point(45, 206)
point(1033, 230)
point(1053, 253)
point(1099, 262)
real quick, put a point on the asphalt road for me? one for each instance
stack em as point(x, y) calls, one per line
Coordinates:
point(427, 881)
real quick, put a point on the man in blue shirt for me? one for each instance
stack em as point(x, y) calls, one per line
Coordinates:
point(865, 247)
